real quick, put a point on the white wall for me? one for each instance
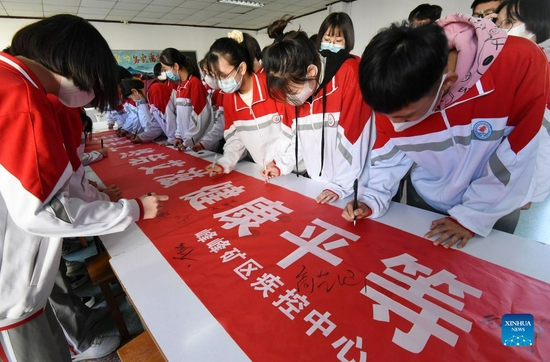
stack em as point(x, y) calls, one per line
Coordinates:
point(136, 36)
point(368, 17)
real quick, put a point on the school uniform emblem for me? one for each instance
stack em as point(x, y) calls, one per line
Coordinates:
point(276, 119)
point(331, 120)
point(483, 130)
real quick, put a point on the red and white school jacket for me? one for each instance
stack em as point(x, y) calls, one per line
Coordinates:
point(256, 128)
point(125, 117)
point(542, 172)
point(191, 111)
point(70, 125)
point(36, 210)
point(151, 111)
point(212, 138)
point(475, 159)
point(338, 156)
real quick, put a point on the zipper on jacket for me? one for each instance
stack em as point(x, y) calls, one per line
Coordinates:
point(39, 262)
point(450, 129)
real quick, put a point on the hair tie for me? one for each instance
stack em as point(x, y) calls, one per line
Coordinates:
point(236, 35)
point(280, 37)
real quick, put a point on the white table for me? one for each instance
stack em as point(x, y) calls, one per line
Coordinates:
point(186, 331)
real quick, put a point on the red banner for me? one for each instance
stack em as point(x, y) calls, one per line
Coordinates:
point(290, 280)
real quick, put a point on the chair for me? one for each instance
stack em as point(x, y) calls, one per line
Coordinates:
point(141, 349)
point(101, 274)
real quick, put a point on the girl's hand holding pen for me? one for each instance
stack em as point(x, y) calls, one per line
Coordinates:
point(350, 213)
point(270, 170)
point(214, 168)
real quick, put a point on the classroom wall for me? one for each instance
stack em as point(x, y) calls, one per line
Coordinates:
point(368, 17)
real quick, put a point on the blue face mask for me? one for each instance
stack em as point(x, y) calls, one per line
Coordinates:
point(332, 47)
point(231, 85)
point(173, 77)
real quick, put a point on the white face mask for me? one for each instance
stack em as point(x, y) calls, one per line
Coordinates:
point(300, 98)
point(305, 93)
point(521, 31)
point(401, 126)
point(211, 82)
point(335, 48)
point(71, 96)
point(162, 76)
point(231, 85)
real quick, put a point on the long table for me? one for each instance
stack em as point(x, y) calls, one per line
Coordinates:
point(191, 315)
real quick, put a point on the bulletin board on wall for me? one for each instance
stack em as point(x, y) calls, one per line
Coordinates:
point(143, 61)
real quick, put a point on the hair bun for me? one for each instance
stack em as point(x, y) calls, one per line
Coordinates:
point(236, 35)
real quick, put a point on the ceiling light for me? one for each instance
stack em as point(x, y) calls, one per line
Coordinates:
point(253, 4)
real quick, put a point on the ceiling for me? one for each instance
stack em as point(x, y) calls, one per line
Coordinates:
point(208, 13)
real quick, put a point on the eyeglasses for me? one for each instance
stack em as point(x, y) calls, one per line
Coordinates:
point(484, 13)
point(226, 76)
point(505, 24)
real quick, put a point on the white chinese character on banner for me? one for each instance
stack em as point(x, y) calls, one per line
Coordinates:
point(205, 234)
point(424, 323)
point(135, 153)
point(252, 214)
point(245, 269)
point(169, 164)
point(267, 283)
point(211, 194)
point(218, 244)
point(349, 343)
point(313, 246)
point(319, 322)
point(115, 149)
point(232, 254)
point(149, 158)
point(118, 142)
point(181, 176)
point(294, 303)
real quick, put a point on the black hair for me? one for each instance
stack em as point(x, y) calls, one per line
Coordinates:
point(340, 21)
point(477, 2)
point(287, 59)
point(314, 38)
point(252, 46)
point(126, 86)
point(171, 56)
point(86, 123)
point(71, 47)
point(535, 14)
point(123, 73)
point(157, 69)
point(426, 12)
point(233, 52)
point(401, 65)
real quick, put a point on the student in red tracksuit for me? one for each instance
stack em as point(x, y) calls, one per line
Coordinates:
point(36, 206)
point(461, 106)
point(151, 105)
point(188, 114)
point(252, 119)
point(215, 97)
point(531, 20)
point(329, 125)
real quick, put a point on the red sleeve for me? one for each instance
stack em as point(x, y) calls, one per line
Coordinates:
point(71, 128)
point(36, 155)
point(158, 96)
point(354, 111)
point(198, 95)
